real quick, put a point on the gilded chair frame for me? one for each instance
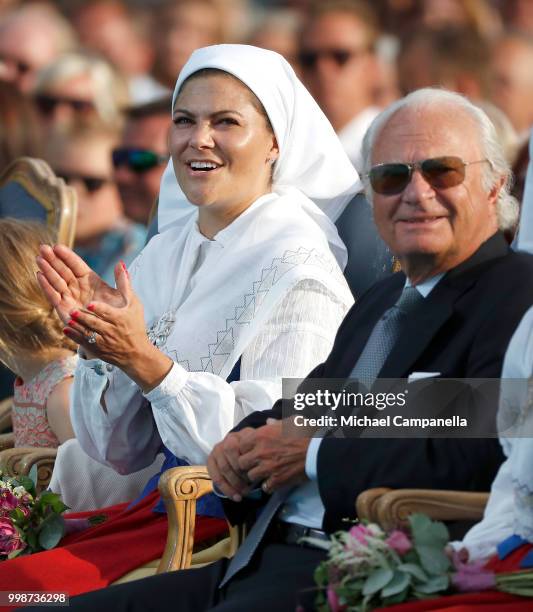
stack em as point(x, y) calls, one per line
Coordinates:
point(56, 197)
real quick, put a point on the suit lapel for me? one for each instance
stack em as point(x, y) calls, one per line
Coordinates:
point(416, 336)
point(438, 308)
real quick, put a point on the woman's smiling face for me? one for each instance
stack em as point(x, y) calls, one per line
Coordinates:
point(221, 147)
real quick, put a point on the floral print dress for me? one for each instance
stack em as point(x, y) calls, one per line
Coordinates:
point(30, 422)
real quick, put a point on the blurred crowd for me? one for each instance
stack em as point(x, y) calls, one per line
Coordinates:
point(86, 85)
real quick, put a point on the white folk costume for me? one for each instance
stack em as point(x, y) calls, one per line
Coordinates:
point(267, 290)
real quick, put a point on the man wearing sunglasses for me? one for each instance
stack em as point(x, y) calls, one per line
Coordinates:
point(439, 182)
point(141, 157)
point(338, 67)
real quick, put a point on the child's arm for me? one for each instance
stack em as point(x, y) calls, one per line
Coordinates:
point(58, 410)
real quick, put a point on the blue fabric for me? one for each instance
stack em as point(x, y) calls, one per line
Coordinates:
point(208, 505)
point(509, 545)
point(124, 242)
point(527, 561)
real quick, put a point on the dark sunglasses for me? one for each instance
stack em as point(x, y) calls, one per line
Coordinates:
point(48, 103)
point(439, 172)
point(91, 183)
point(138, 160)
point(309, 58)
point(22, 67)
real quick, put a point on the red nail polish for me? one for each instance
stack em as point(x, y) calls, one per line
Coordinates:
point(67, 331)
point(123, 265)
point(75, 314)
point(71, 322)
point(90, 307)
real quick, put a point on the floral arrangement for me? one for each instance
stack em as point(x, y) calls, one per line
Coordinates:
point(28, 522)
point(368, 568)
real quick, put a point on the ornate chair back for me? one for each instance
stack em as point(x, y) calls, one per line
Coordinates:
point(30, 190)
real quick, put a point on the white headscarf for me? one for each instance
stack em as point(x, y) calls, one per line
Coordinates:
point(312, 165)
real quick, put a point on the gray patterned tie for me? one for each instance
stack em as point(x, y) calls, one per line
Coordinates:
point(248, 547)
point(384, 336)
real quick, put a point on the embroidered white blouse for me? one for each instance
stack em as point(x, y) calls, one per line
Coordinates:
point(194, 407)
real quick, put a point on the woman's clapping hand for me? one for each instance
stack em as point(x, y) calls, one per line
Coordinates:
point(108, 323)
point(68, 282)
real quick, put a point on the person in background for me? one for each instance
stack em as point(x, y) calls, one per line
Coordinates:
point(337, 65)
point(120, 33)
point(31, 37)
point(32, 342)
point(478, 16)
point(512, 79)
point(278, 31)
point(456, 59)
point(518, 15)
point(82, 156)
point(180, 27)
point(20, 128)
point(140, 158)
point(80, 88)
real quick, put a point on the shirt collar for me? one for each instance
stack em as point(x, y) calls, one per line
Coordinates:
point(427, 286)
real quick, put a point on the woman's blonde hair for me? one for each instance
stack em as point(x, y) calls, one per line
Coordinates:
point(27, 321)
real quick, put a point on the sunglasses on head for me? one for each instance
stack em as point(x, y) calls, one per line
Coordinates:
point(48, 103)
point(309, 58)
point(91, 183)
point(439, 172)
point(138, 160)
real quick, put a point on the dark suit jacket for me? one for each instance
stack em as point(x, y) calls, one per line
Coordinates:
point(462, 331)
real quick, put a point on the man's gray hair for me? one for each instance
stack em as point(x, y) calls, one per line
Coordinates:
point(507, 206)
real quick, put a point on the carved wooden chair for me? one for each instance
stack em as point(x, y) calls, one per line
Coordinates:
point(30, 190)
point(181, 487)
point(391, 507)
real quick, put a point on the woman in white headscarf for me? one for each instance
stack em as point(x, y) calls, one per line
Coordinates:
point(242, 286)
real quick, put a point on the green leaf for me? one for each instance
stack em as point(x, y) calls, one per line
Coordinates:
point(15, 553)
point(48, 497)
point(321, 574)
point(33, 474)
point(433, 559)
point(395, 599)
point(58, 506)
point(97, 519)
point(51, 531)
point(427, 532)
point(434, 585)
point(415, 570)
point(17, 516)
point(31, 539)
point(27, 483)
point(399, 582)
point(377, 580)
